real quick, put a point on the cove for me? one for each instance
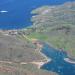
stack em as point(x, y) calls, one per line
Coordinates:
point(57, 64)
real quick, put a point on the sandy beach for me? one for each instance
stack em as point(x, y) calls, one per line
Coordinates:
point(38, 64)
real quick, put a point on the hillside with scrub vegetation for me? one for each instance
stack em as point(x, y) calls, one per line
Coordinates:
point(54, 25)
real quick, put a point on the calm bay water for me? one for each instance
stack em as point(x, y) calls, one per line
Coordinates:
point(57, 64)
point(18, 15)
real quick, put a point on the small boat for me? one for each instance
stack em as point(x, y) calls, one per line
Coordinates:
point(3, 11)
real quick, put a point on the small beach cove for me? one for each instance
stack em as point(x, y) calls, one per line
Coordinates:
point(56, 60)
point(58, 64)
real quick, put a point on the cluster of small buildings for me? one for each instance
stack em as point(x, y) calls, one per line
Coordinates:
point(8, 32)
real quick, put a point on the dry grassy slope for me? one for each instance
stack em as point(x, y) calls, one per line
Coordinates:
point(17, 69)
point(14, 49)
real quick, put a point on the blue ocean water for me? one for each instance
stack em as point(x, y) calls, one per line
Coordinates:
point(58, 64)
point(18, 15)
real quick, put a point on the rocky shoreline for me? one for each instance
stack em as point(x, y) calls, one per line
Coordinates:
point(69, 60)
point(39, 48)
